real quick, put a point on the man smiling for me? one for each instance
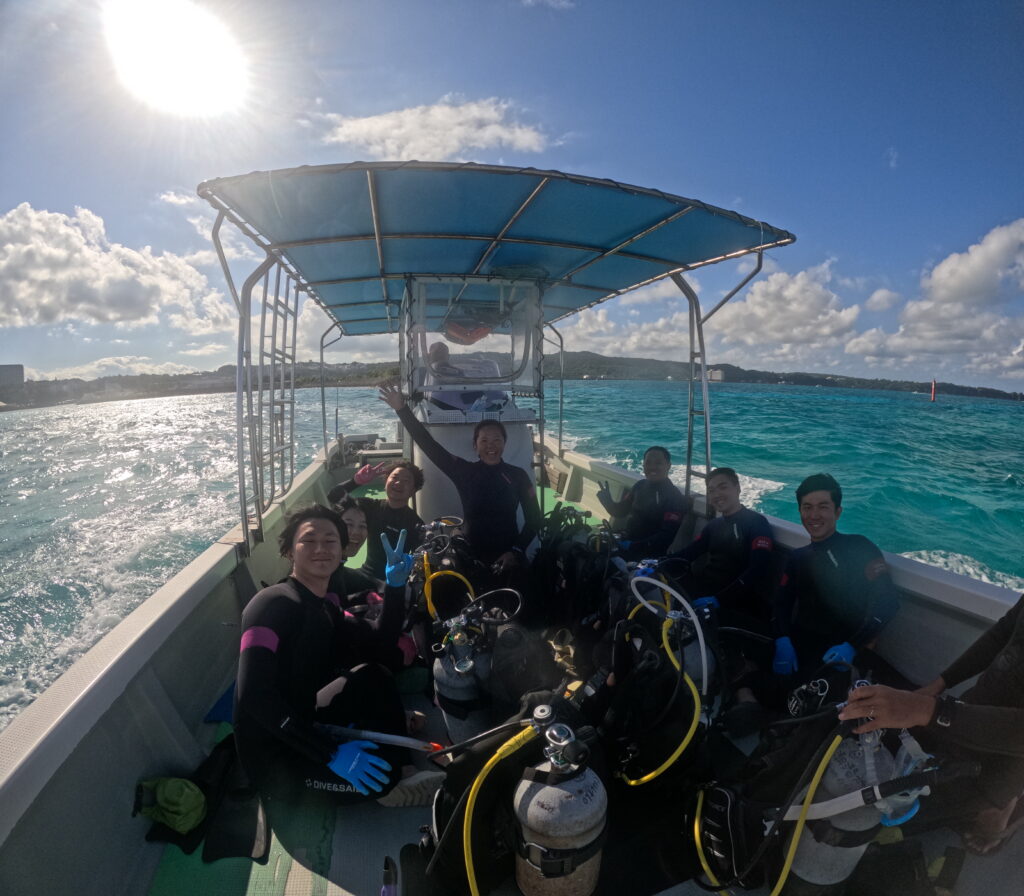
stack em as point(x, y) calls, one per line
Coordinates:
point(836, 594)
point(731, 557)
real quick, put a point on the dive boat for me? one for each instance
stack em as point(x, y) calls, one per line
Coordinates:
point(488, 260)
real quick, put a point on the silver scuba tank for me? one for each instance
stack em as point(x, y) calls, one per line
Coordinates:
point(830, 849)
point(561, 808)
point(461, 685)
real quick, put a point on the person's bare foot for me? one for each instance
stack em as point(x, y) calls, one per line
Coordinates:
point(992, 827)
point(415, 722)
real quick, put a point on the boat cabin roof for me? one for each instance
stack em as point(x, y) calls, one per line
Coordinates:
point(354, 235)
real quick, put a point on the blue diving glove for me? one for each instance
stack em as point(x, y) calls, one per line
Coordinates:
point(710, 603)
point(785, 657)
point(398, 564)
point(604, 494)
point(362, 769)
point(840, 654)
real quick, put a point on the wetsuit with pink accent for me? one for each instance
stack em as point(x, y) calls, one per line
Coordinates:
point(304, 663)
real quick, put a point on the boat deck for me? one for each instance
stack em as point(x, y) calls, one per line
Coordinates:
point(325, 851)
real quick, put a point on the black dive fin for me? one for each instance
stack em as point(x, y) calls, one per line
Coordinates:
point(237, 826)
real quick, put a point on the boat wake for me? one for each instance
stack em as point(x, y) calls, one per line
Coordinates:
point(966, 566)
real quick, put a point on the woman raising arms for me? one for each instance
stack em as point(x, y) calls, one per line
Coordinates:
point(491, 490)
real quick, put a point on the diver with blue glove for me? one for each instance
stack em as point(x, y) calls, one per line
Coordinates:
point(305, 666)
point(836, 594)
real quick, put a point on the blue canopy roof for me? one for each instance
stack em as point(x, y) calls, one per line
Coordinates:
point(353, 233)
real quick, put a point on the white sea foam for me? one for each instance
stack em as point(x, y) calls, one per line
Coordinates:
point(966, 566)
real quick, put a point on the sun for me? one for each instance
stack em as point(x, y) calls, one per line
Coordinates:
point(176, 56)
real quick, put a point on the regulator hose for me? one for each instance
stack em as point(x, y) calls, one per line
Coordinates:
point(819, 762)
point(686, 606)
point(506, 749)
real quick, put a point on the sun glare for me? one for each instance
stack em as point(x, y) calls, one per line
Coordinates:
point(176, 56)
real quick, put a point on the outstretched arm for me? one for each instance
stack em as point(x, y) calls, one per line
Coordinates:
point(443, 459)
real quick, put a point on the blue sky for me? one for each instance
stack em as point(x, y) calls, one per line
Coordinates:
point(887, 136)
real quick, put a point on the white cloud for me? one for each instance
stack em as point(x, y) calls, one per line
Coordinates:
point(989, 272)
point(445, 130)
point(662, 291)
point(786, 310)
point(172, 197)
point(56, 268)
point(366, 349)
point(120, 366)
point(882, 300)
point(202, 351)
point(892, 157)
point(969, 310)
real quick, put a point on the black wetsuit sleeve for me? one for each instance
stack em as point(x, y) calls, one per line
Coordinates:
point(341, 491)
point(987, 729)
point(271, 618)
point(443, 459)
point(977, 658)
point(669, 518)
point(532, 520)
point(883, 602)
point(696, 548)
point(363, 640)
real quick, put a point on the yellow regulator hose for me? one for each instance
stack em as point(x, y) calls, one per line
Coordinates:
point(506, 749)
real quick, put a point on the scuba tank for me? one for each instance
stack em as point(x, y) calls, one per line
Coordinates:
point(561, 809)
point(463, 660)
point(460, 683)
point(830, 848)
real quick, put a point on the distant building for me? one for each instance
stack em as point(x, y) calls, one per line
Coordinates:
point(12, 383)
point(716, 375)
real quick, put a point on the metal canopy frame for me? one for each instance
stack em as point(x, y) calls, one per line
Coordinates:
point(353, 233)
point(354, 238)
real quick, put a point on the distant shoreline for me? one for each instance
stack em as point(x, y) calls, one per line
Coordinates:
point(578, 366)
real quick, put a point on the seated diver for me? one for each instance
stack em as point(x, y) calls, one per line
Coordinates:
point(654, 508)
point(360, 593)
point(305, 666)
point(836, 594)
point(985, 725)
point(345, 582)
point(731, 557)
point(388, 515)
point(492, 493)
point(729, 566)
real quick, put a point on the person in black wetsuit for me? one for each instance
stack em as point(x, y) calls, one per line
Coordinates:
point(347, 583)
point(731, 557)
point(491, 490)
point(654, 508)
point(836, 594)
point(388, 515)
point(986, 725)
point(305, 664)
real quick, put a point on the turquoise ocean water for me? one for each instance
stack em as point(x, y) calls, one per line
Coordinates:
point(100, 504)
